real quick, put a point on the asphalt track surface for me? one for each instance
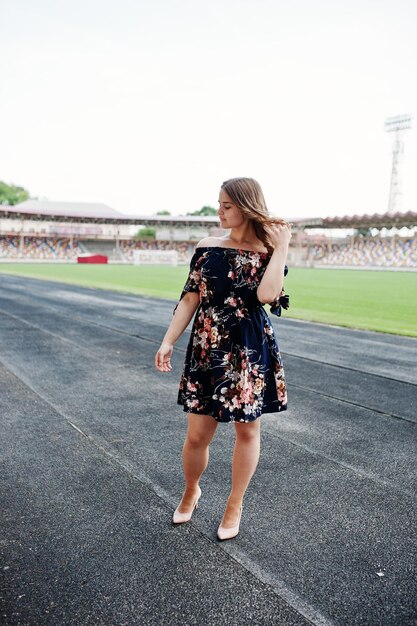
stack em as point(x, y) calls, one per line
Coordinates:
point(91, 473)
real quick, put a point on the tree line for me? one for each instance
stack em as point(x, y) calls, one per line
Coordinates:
point(12, 194)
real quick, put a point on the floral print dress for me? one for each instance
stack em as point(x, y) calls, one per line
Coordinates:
point(233, 368)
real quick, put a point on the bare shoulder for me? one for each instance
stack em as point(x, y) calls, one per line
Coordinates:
point(209, 242)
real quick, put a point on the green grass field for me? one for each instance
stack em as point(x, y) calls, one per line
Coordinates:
point(376, 300)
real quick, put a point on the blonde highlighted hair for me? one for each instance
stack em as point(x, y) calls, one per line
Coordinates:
point(246, 193)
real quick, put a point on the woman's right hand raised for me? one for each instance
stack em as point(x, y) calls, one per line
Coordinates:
point(163, 357)
point(280, 234)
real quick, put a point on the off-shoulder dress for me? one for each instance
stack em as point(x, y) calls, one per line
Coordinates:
point(233, 369)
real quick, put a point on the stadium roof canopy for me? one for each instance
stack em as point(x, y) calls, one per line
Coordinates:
point(92, 213)
point(44, 209)
point(102, 214)
point(86, 212)
point(375, 220)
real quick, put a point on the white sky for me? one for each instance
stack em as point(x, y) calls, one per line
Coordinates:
point(148, 105)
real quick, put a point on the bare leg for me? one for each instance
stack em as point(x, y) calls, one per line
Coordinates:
point(245, 461)
point(195, 455)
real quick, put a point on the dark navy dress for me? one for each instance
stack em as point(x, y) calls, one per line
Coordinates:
point(233, 368)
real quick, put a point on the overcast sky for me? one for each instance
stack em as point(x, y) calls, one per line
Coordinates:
point(150, 105)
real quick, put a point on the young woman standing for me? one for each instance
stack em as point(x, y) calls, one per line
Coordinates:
point(233, 368)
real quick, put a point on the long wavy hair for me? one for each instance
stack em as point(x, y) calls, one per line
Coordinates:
point(246, 194)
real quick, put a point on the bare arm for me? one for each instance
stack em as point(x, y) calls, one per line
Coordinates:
point(272, 281)
point(185, 310)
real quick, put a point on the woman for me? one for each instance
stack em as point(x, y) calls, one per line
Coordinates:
point(233, 369)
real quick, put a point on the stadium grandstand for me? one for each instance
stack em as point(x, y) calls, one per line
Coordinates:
point(44, 231)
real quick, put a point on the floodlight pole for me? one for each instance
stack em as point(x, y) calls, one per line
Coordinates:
point(397, 125)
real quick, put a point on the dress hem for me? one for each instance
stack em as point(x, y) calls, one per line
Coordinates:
point(280, 409)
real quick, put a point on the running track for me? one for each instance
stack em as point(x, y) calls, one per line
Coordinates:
point(91, 472)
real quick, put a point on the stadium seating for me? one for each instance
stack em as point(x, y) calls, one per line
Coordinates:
point(375, 252)
point(39, 248)
point(49, 248)
point(362, 252)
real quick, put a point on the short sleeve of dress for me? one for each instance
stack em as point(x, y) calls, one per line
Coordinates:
point(282, 302)
point(192, 284)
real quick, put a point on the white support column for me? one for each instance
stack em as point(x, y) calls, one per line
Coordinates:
point(22, 239)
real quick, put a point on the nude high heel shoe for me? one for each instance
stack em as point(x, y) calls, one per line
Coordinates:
point(180, 518)
point(229, 533)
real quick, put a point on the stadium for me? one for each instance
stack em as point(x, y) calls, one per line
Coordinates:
point(37, 230)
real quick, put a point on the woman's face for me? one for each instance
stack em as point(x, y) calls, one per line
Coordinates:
point(229, 214)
